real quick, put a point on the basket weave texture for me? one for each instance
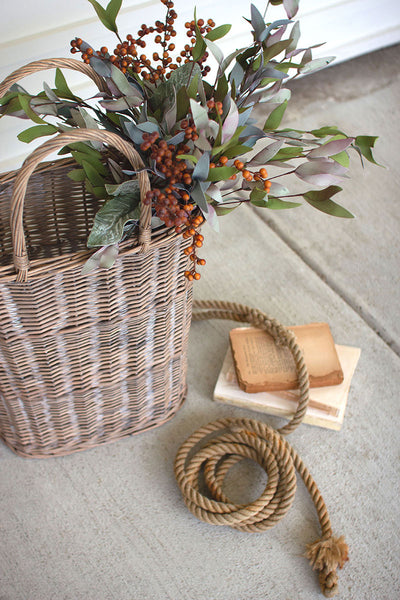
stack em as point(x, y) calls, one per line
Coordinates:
point(84, 360)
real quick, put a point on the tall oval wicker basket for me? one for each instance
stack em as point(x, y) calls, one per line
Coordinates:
point(84, 359)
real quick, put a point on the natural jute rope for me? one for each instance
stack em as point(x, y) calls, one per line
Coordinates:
point(212, 450)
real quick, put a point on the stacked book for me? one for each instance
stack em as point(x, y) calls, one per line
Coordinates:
point(259, 375)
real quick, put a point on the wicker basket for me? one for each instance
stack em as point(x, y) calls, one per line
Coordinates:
point(84, 360)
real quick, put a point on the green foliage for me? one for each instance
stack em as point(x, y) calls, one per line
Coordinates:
point(221, 173)
point(77, 175)
point(365, 143)
point(110, 220)
point(218, 32)
point(219, 128)
point(108, 15)
point(275, 118)
point(24, 101)
point(321, 199)
point(34, 132)
point(62, 87)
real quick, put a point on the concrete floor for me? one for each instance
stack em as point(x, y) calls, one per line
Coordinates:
point(110, 524)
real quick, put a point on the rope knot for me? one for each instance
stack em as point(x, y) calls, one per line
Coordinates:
point(327, 555)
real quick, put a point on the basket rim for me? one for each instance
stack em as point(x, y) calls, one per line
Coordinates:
point(65, 262)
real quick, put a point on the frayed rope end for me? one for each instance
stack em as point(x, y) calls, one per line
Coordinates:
point(327, 555)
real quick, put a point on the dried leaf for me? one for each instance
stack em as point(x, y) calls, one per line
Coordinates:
point(109, 221)
point(257, 21)
point(291, 7)
point(274, 25)
point(200, 115)
point(230, 124)
point(102, 67)
point(202, 167)
point(316, 64)
point(266, 154)
point(123, 85)
point(320, 172)
point(330, 148)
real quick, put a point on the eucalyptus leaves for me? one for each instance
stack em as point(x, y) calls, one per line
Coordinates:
point(191, 129)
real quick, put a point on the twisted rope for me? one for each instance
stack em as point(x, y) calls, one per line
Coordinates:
point(215, 309)
point(212, 450)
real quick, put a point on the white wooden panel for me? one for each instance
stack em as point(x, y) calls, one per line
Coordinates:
point(44, 28)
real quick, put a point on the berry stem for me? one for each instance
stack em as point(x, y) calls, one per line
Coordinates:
point(282, 174)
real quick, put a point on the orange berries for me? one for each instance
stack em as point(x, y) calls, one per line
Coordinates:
point(263, 172)
point(267, 186)
point(219, 107)
point(238, 164)
point(190, 251)
point(223, 160)
point(247, 175)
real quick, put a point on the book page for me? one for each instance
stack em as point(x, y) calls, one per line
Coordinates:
point(327, 404)
point(261, 365)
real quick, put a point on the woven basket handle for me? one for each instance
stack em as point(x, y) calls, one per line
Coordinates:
point(64, 139)
point(52, 63)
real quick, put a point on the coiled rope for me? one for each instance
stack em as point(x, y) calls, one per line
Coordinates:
point(212, 450)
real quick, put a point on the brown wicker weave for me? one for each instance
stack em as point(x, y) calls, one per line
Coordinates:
point(84, 360)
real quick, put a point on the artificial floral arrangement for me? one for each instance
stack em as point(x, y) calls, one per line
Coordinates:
point(192, 128)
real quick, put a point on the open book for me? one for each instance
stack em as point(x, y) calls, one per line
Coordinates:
point(327, 404)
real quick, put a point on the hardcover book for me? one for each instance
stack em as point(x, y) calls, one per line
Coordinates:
point(327, 404)
point(262, 366)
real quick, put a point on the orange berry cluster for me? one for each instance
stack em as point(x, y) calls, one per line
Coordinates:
point(221, 162)
point(172, 204)
point(127, 55)
point(203, 27)
point(261, 175)
point(167, 159)
point(215, 106)
point(190, 129)
point(191, 33)
point(197, 242)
